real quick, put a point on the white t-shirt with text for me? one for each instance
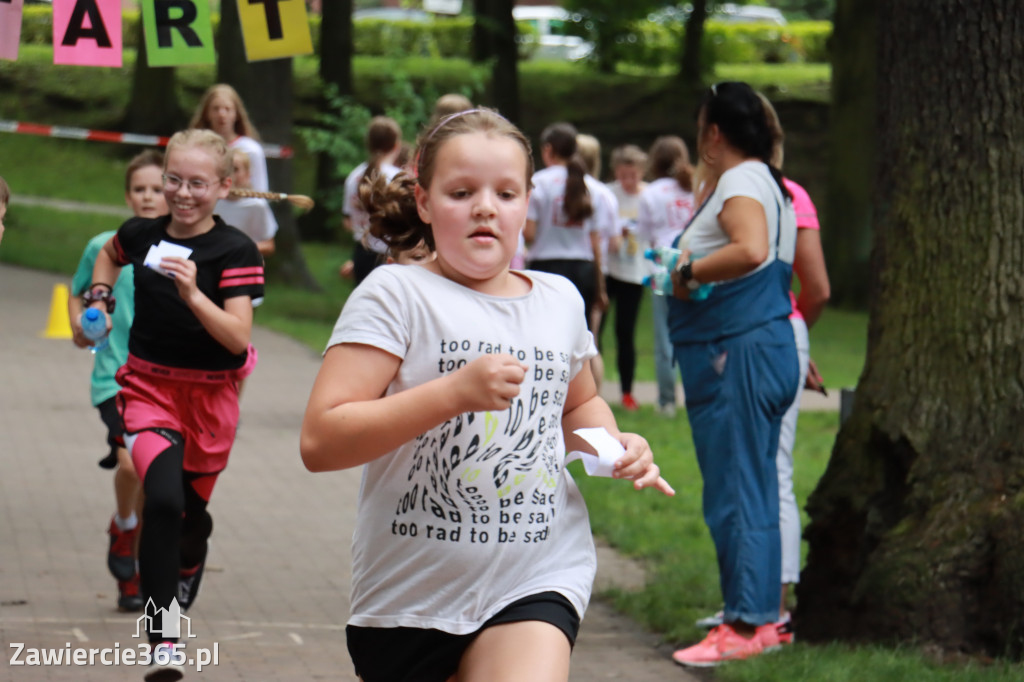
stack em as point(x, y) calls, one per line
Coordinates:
point(556, 237)
point(479, 511)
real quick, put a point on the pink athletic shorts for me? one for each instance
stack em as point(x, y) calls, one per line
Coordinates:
point(201, 405)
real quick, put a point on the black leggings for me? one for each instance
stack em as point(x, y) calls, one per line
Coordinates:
point(175, 525)
point(626, 298)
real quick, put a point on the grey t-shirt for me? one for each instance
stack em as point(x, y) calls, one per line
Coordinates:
point(479, 511)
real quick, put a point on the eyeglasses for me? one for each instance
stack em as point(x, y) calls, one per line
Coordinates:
point(197, 188)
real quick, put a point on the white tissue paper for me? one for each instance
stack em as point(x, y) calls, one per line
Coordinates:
point(164, 250)
point(609, 450)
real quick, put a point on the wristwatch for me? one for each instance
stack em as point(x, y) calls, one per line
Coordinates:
point(685, 271)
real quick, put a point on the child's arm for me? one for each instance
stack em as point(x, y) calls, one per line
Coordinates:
point(349, 421)
point(231, 325)
point(75, 315)
point(105, 272)
point(266, 247)
point(584, 408)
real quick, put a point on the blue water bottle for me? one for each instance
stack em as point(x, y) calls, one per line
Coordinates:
point(94, 326)
point(665, 259)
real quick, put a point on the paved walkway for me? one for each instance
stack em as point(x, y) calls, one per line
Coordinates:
point(275, 596)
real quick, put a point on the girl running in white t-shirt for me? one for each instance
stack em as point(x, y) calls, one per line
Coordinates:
point(458, 384)
point(568, 214)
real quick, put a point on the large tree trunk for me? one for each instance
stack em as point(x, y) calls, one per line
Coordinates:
point(153, 108)
point(494, 39)
point(266, 88)
point(505, 79)
point(690, 67)
point(482, 31)
point(917, 529)
point(847, 237)
point(335, 69)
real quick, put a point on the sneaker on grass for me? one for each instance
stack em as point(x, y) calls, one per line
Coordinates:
point(784, 628)
point(723, 644)
point(712, 621)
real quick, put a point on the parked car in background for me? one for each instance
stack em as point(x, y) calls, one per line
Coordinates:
point(392, 14)
point(553, 42)
point(728, 12)
point(749, 14)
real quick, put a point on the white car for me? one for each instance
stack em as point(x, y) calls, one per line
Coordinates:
point(750, 14)
point(550, 23)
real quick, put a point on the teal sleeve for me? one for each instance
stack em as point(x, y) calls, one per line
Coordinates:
point(83, 275)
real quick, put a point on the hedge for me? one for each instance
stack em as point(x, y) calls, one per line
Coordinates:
point(649, 44)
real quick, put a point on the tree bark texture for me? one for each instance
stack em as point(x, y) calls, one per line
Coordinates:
point(693, 36)
point(483, 29)
point(267, 89)
point(505, 72)
point(846, 238)
point(917, 531)
point(335, 69)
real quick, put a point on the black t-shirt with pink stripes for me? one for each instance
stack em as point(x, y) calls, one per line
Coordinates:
point(165, 330)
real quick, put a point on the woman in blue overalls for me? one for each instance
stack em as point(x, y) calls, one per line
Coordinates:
point(737, 355)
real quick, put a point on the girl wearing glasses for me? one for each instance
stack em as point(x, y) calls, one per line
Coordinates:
point(187, 350)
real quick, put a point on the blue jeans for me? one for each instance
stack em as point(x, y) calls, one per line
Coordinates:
point(663, 359)
point(737, 391)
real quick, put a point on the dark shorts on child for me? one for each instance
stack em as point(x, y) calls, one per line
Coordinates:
point(112, 420)
point(418, 655)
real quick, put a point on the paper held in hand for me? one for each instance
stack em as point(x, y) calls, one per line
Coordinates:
point(164, 250)
point(609, 450)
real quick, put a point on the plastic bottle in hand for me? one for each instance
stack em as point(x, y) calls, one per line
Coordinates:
point(94, 326)
point(665, 259)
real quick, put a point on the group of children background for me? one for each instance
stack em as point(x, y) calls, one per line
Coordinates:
point(470, 210)
point(593, 233)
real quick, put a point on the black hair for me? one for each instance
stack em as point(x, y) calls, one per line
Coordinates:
point(738, 112)
point(561, 137)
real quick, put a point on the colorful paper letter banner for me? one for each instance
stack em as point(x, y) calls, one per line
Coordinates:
point(10, 28)
point(178, 32)
point(274, 28)
point(87, 32)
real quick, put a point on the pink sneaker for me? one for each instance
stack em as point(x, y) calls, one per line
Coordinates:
point(721, 645)
point(784, 628)
point(769, 636)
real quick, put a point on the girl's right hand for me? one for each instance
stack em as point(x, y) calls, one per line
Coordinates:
point(488, 383)
point(78, 337)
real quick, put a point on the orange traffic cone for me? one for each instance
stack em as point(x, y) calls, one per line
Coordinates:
point(59, 324)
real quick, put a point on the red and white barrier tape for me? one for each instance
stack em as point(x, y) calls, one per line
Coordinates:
point(273, 151)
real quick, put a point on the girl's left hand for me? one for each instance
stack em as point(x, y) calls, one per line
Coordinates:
point(183, 272)
point(637, 465)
